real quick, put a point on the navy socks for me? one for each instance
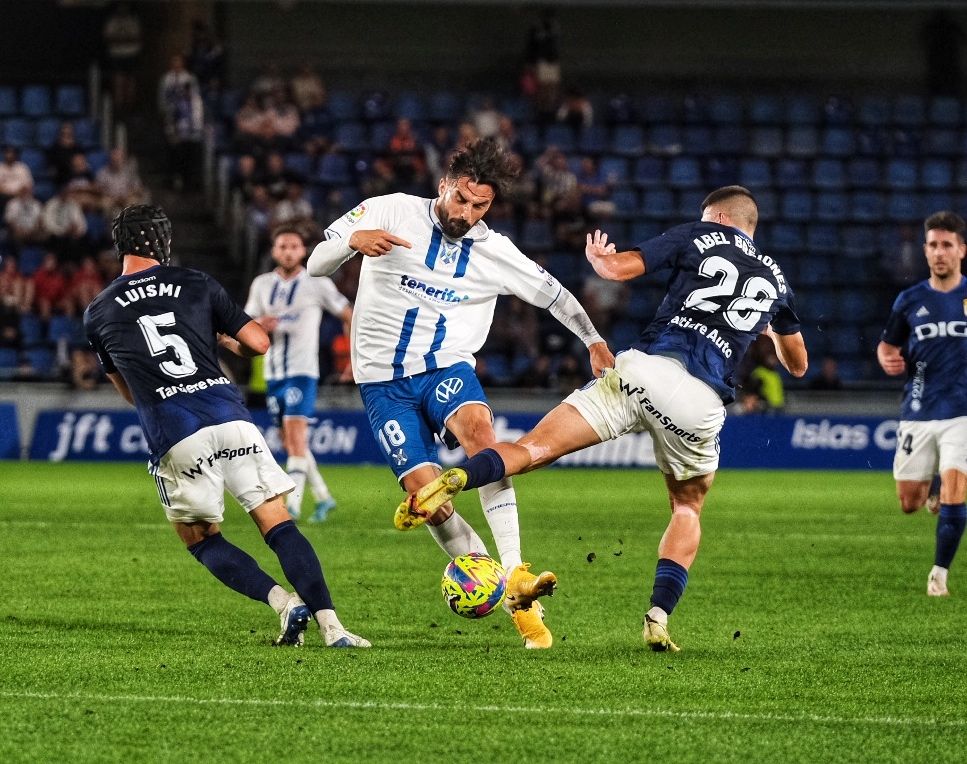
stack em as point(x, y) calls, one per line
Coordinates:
point(300, 565)
point(950, 527)
point(233, 567)
point(483, 468)
point(670, 580)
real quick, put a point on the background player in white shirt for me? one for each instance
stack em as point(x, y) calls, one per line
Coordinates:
point(289, 305)
point(428, 287)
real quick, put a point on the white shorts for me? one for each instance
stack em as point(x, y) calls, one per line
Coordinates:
point(654, 393)
point(925, 448)
point(195, 473)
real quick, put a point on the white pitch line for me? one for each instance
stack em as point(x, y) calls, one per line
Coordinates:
point(621, 713)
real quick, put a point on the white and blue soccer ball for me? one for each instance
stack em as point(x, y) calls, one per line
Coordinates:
point(474, 585)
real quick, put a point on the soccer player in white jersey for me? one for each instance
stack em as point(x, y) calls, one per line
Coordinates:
point(673, 382)
point(430, 277)
point(289, 305)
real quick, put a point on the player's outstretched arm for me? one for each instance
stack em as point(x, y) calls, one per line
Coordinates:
point(330, 254)
point(250, 341)
point(610, 264)
point(791, 351)
point(890, 358)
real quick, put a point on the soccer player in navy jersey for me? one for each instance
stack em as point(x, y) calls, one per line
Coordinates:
point(926, 339)
point(673, 382)
point(156, 329)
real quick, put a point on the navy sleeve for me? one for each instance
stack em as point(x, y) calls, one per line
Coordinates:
point(662, 251)
point(897, 329)
point(786, 320)
point(102, 355)
point(227, 317)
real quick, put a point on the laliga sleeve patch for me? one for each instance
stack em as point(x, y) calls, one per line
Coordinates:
point(355, 214)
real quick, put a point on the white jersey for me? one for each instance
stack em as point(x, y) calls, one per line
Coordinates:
point(298, 303)
point(431, 306)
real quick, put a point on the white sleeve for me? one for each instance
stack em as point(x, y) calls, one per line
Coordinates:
point(328, 255)
point(569, 312)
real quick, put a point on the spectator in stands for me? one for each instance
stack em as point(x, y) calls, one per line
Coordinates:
point(181, 108)
point(24, 218)
point(507, 135)
point(50, 288)
point(406, 155)
point(276, 177)
point(595, 189)
point(206, 55)
point(108, 264)
point(308, 89)
point(466, 135)
point(560, 196)
point(269, 80)
point(246, 176)
point(258, 213)
point(61, 152)
point(65, 226)
point(14, 175)
point(16, 291)
point(544, 58)
point(604, 301)
point(828, 377)
point(81, 185)
point(283, 119)
point(380, 179)
point(294, 207)
point(84, 285)
point(576, 110)
point(122, 41)
point(437, 150)
point(120, 183)
point(252, 126)
point(486, 118)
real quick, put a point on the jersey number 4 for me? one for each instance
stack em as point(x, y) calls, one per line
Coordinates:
point(754, 298)
point(159, 343)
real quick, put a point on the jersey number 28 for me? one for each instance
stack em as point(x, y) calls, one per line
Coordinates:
point(755, 297)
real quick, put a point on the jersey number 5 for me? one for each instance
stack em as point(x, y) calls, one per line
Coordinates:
point(754, 299)
point(159, 343)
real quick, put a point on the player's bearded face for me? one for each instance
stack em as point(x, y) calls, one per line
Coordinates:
point(288, 251)
point(944, 251)
point(461, 204)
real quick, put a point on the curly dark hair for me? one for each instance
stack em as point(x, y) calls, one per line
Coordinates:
point(484, 161)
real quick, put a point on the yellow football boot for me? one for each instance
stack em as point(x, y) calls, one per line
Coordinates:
point(417, 508)
point(656, 637)
point(523, 587)
point(530, 625)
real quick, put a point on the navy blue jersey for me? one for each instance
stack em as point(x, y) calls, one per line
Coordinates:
point(721, 294)
point(930, 328)
point(157, 329)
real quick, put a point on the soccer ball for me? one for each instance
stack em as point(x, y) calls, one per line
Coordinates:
point(474, 585)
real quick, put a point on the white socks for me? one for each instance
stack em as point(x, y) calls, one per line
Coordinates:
point(320, 491)
point(456, 537)
point(278, 598)
point(296, 467)
point(499, 504)
point(658, 615)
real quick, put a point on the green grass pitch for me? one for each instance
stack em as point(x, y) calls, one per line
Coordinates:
point(805, 630)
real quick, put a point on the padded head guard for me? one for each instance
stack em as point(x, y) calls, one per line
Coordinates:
point(143, 230)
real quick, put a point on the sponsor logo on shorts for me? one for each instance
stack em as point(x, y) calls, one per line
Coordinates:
point(448, 388)
point(226, 453)
point(663, 420)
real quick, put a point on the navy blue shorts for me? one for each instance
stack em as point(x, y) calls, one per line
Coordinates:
point(406, 413)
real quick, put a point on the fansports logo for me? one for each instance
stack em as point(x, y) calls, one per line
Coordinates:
point(352, 217)
point(448, 388)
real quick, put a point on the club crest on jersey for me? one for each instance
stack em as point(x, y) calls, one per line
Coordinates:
point(352, 217)
point(448, 388)
point(450, 252)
